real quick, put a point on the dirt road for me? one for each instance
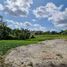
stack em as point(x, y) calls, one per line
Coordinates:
point(49, 53)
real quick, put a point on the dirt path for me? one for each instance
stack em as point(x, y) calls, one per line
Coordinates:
point(50, 53)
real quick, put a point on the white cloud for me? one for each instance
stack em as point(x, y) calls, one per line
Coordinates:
point(14, 24)
point(17, 7)
point(52, 13)
point(20, 24)
point(1, 7)
point(26, 25)
point(34, 20)
point(38, 27)
point(46, 11)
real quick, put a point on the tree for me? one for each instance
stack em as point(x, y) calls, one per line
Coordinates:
point(4, 30)
point(8, 33)
point(64, 32)
point(54, 32)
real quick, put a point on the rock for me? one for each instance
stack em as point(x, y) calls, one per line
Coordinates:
point(49, 53)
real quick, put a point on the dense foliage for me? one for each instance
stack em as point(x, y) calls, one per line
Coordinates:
point(7, 33)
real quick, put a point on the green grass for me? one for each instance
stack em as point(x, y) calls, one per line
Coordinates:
point(5, 45)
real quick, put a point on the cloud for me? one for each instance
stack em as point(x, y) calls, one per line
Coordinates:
point(52, 13)
point(34, 20)
point(1, 7)
point(46, 11)
point(38, 27)
point(14, 24)
point(26, 25)
point(17, 7)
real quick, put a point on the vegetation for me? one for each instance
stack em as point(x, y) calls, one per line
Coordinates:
point(11, 38)
point(64, 32)
point(7, 33)
point(5, 45)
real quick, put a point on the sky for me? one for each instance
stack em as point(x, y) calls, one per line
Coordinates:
point(37, 15)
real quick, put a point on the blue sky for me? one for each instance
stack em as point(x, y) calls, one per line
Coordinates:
point(30, 15)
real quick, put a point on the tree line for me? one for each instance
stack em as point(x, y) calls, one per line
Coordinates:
point(62, 32)
point(7, 33)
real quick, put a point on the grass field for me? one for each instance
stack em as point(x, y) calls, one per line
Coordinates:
point(5, 45)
